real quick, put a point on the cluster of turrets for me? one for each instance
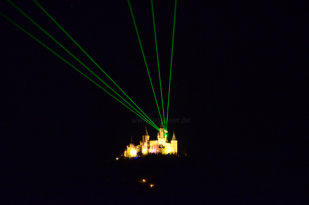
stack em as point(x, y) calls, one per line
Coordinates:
point(146, 146)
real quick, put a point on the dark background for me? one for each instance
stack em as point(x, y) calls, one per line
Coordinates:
point(239, 96)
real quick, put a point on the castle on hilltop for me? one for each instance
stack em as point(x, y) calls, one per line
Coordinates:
point(146, 146)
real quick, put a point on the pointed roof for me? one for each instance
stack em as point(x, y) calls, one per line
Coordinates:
point(146, 131)
point(174, 137)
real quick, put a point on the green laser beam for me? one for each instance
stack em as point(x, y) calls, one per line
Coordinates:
point(71, 54)
point(144, 58)
point(43, 30)
point(83, 50)
point(71, 65)
point(157, 54)
point(64, 48)
point(171, 64)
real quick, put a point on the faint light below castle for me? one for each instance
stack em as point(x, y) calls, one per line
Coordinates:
point(159, 146)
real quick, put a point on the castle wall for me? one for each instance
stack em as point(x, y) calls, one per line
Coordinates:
point(161, 145)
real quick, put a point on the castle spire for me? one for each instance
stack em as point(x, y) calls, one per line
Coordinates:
point(146, 131)
point(174, 137)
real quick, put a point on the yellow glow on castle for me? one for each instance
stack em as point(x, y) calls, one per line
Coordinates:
point(146, 146)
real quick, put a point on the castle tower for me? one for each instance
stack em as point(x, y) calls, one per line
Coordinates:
point(145, 143)
point(145, 137)
point(174, 144)
point(162, 136)
point(131, 151)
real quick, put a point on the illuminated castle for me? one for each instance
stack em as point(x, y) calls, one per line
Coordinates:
point(146, 146)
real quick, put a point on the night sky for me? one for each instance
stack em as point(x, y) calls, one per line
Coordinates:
point(239, 89)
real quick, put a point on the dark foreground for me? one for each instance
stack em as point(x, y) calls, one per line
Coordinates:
point(176, 180)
